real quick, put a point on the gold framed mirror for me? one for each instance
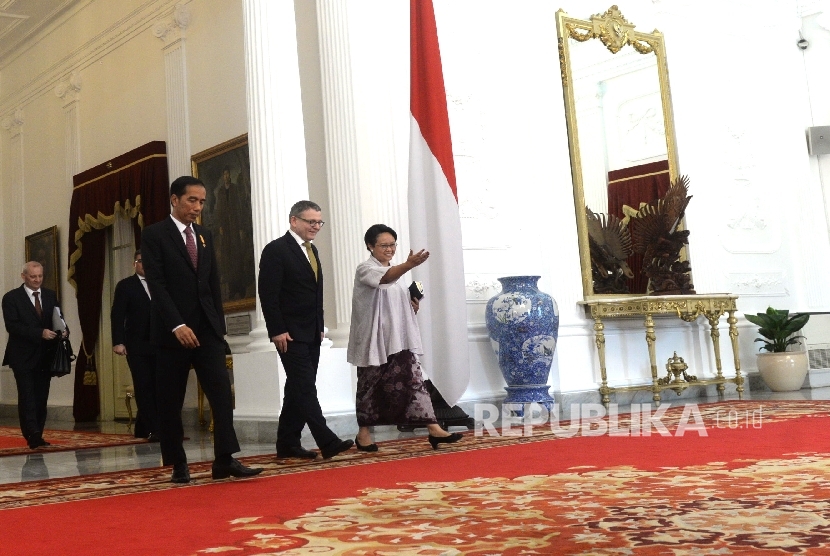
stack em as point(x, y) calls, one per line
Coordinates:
point(620, 126)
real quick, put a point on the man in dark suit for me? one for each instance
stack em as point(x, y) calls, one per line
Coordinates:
point(130, 318)
point(291, 295)
point(188, 327)
point(27, 312)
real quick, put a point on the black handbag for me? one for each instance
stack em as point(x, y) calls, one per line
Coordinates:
point(62, 359)
point(416, 290)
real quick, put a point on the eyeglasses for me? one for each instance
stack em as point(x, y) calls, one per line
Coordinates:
point(311, 222)
point(138, 261)
point(386, 245)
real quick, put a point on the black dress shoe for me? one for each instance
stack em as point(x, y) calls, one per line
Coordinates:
point(36, 441)
point(336, 448)
point(434, 441)
point(296, 452)
point(153, 437)
point(233, 469)
point(367, 448)
point(181, 474)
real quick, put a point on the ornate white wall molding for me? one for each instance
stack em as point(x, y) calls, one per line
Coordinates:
point(69, 90)
point(751, 228)
point(69, 93)
point(640, 120)
point(766, 284)
point(13, 123)
point(175, 27)
point(12, 183)
point(481, 288)
point(171, 32)
point(117, 34)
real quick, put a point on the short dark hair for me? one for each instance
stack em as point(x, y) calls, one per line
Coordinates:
point(302, 206)
point(137, 253)
point(179, 185)
point(371, 235)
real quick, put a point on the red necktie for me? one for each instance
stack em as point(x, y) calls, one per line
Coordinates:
point(38, 308)
point(191, 246)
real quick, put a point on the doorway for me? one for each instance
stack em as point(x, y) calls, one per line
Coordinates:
point(114, 373)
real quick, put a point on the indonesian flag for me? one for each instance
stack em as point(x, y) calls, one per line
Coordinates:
point(434, 220)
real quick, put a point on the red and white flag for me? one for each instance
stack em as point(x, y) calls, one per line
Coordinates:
point(434, 220)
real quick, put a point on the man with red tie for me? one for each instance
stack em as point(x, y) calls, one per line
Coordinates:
point(27, 313)
point(187, 325)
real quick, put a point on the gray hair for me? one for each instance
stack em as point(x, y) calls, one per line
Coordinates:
point(29, 264)
point(302, 206)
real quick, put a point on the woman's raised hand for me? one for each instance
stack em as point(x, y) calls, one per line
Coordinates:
point(415, 259)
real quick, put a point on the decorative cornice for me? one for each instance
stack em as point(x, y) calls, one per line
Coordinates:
point(13, 123)
point(114, 36)
point(173, 29)
point(68, 90)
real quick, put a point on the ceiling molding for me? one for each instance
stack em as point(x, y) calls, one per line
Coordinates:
point(21, 21)
point(115, 35)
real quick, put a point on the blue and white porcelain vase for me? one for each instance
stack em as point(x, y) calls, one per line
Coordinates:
point(524, 324)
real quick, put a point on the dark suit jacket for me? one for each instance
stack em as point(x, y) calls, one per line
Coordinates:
point(130, 316)
point(26, 347)
point(291, 300)
point(181, 294)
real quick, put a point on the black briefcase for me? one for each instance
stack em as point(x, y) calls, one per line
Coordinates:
point(62, 358)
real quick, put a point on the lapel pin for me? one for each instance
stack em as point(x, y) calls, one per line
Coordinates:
point(202, 238)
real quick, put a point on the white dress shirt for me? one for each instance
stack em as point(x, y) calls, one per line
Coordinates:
point(301, 241)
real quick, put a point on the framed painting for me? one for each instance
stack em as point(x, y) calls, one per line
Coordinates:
point(226, 172)
point(43, 248)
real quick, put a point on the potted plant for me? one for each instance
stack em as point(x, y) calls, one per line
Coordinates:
point(782, 370)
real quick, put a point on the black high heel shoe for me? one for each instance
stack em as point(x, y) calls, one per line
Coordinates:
point(434, 441)
point(368, 448)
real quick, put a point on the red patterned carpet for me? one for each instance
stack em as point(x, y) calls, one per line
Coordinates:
point(749, 486)
point(13, 444)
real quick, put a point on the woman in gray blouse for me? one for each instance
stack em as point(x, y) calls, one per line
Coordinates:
point(384, 344)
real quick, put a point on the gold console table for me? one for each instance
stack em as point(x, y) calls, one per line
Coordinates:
point(686, 307)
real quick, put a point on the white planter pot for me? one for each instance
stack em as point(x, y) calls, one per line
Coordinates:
point(783, 372)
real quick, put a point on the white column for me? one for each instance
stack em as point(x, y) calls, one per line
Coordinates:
point(276, 138)
point(341, 157)
point(13, 219)
point(172, 33)
point(69, 93)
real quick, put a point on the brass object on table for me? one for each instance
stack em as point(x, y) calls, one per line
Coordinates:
point(676, 375)
point(686, 307)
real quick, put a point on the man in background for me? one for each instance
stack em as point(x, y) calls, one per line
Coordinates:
point(130, 318)
point(27, 313)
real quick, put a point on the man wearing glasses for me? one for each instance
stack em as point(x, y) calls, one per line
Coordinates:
point(291, 295)
point(130, 318)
